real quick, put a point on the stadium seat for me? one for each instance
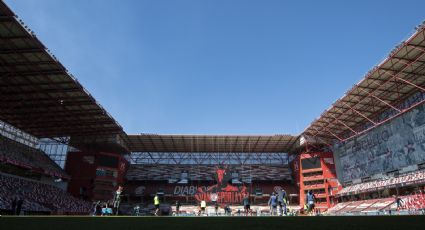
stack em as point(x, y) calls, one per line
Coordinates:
point(39, 197)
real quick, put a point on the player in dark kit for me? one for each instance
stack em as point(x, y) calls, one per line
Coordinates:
point(247, 205)
point(117, 199)
point(178, 207)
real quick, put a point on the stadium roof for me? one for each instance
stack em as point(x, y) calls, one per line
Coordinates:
point(38, 95)
point(211, 143)
point(391, 88)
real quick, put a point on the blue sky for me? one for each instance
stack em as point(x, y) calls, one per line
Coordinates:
point(218, 67)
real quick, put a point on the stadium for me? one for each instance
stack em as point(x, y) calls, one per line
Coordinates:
point(62, 154)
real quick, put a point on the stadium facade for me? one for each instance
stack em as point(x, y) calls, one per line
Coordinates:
point(56, 139)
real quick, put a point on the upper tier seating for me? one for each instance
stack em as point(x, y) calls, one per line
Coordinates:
point(18, 154)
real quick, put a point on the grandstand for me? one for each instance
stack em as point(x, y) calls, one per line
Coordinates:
point(20, 155)
point(40, 198)
point(375, 132)
point(185, 167)
point(361, 156)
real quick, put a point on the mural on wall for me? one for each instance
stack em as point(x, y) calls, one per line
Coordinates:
point(222, 192)
point(394, 145)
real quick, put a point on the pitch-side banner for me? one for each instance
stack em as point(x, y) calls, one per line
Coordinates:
point(394, 145)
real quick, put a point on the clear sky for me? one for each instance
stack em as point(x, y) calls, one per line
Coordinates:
point(218, 66)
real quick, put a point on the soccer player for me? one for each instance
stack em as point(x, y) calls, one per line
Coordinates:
point(273, 204)
point(156, 203)
point(203, 206)
point(282, 201)
point(117, 199)
point(247, 205)
point(178, 207)
point(310, 199)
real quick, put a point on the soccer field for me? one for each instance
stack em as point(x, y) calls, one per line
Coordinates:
point(213, 223)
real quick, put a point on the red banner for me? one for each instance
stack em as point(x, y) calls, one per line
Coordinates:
point(222, 192)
